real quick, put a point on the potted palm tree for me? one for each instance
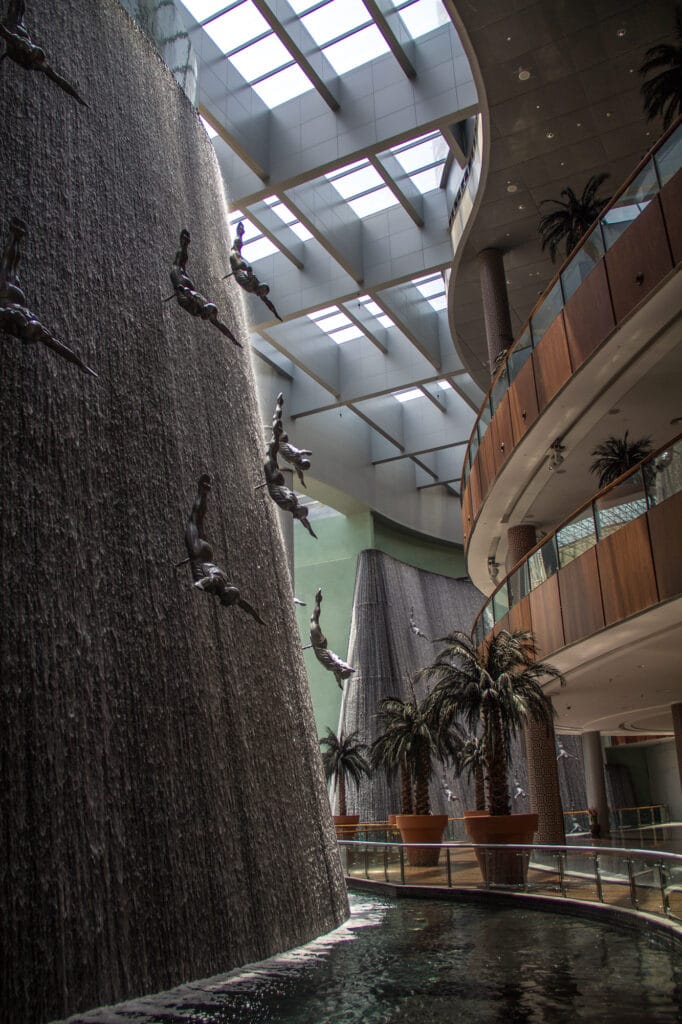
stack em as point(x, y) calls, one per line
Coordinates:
point(662, 94)
point(494, 686)
point(410, 743)
point(616, 455)
point(575, 214)
point(344, 758)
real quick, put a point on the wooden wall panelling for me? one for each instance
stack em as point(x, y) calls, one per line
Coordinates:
point(474, 489)
point(588, 315)
point(545, 610)
point(467, 518)
point(501, 624)
point(626, 570)
point(642, 250)
point(486, 462)
point(552, 362)
point(523, 401)
point(671, 204)
point(581, 600)
point(666, 545)
point(503, 440)
point(520, 616)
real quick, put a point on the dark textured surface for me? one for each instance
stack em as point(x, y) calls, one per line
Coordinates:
point(388, 654)
point(162, 809)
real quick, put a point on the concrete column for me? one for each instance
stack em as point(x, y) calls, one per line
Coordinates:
point(676, 710)
point(520, 540)
point(543, 782)
point(498, 327)
point(595, 780)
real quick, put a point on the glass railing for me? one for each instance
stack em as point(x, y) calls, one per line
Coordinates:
point(642, 880)
point(652, 175)
point(654, 480)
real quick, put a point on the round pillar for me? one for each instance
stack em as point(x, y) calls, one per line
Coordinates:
point(595, 780)
point(496, 314)
point(520, 540)
point(543, 782)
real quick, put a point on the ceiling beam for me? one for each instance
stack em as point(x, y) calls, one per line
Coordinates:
point(421, 451)
point(397, 191)
point(372, 338)
point(390, 37)
point(234, 143)
point(255, 219)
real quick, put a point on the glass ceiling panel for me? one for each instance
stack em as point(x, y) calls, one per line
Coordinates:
point(335, 19)
point(331, 323)
point(282, 211)
point(428, 180)
point(348, 334)
point(259, 248)
point(319, 313)
point(261, 57)
point(444, 385)
point(357, 49)
point(407, 396)
point(429, 286)
point(352, 184)
point(282, 86)
point(422, 16)
point(373, 202)
point(422, 153)
point(236, 27)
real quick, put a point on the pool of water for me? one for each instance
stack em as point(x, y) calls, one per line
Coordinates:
point(433, 962)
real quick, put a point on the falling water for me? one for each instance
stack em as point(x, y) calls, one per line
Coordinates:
point(162, 810)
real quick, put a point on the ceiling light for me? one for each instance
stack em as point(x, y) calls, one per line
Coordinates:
point(524, 74)
point(521, 206)
point(550, 135)
point(578, 124)
point(621, 32)
point(509, 39)
point(608, 113)
point(512, 188)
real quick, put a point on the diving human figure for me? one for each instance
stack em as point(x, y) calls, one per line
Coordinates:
point(208, 576)
point(244, 275)
point(24, 52)
point(15, 316)
point(188, 297)
point(282, 495)
point(318, 641)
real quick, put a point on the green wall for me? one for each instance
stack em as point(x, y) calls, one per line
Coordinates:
point(330, 563)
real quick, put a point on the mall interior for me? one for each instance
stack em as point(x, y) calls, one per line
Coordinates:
point(390, 162)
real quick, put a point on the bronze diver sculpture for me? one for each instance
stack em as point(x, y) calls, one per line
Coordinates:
point(274, 478)
point(187, 295)
point(24, 52)
point(207, 576)
point(318, 641)
point(15, 316)
point(244, 275)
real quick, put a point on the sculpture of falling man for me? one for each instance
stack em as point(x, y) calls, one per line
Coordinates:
point(187, 295)
point(274, 478)
point(318, 641)
point(207, 576)
point(24, 52)
point(15, 316)
point(244, 275)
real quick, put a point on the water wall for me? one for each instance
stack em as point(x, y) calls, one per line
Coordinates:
point(163, 814)
point(388, 653)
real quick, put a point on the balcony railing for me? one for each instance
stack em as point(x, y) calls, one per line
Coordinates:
point(640, 880)
point(655, 480)
point(651, 175)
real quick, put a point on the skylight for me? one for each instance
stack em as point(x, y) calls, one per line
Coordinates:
point(433, 289)
point(445, 385)
point(335, 324)
point(408, 395)
point(423, 160)
point(421, 16)
point(356, 49)
point(256, 245)
point(282, 211)
point(201, 9)
point(363, 187)
point(375, 310)
point(335, 19)
point(282, 86)
point(236, 27)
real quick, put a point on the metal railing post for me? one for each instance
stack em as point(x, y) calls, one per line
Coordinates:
point(560, 866)
point(633, 887)
point(402, 865)
point(366, 858)
point(447, 860)
point(664, 890)
point(385, 863)
point(597, 878)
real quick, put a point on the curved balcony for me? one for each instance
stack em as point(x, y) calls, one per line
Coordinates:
point(603, 595)
point(615, 292)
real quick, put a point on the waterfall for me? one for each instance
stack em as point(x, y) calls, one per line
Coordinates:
point(163, 815)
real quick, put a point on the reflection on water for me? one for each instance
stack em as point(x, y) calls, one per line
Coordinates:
point(422, 962)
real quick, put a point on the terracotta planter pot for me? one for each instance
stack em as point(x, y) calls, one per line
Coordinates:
point(501, 867)
point(422, 828)
point(346, 825)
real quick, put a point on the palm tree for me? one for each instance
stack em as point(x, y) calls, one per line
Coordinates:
point(573, 218)
point(343, 757)
point(497, 686)
point(471, 759)
point(662, 94)
point(616, 455)
point(410, 743)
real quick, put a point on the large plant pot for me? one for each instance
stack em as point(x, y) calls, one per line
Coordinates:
point(502, 867)
point(422, 828)
point(346, 825)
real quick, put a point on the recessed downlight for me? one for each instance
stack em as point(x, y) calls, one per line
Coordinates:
point(549, 135)
point(512, 188)
point(524, 74)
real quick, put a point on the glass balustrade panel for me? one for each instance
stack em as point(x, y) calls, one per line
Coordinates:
point(547, 313)
point(519, 354)
point(663, 475)
point(630, 204)
point(576, 537)
point(583, 262)
point(501, 602)
point(519, 584)
point(543, 563)
point(668, 158)
point(620, 505)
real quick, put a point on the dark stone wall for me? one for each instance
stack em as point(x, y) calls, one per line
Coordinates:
point(162, 809)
